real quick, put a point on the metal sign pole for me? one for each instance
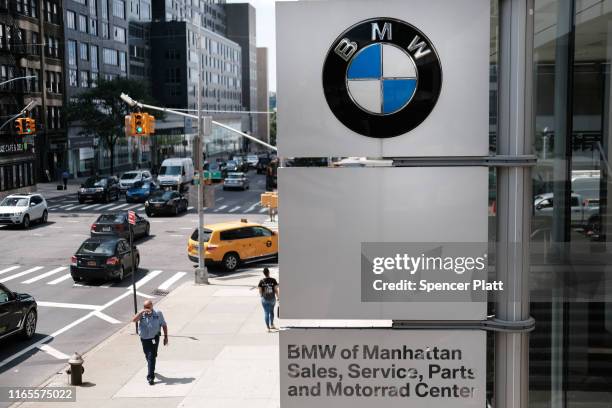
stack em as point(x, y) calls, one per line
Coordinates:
point(201, 274)
point(133, 272)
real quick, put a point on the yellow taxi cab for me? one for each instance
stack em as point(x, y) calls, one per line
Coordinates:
point(230, 244)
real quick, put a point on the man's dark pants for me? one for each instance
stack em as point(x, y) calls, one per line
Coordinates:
point(150, 351)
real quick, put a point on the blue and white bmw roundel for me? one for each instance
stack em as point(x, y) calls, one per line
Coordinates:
point(382, 79)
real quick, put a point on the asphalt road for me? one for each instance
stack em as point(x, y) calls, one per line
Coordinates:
point(76, 317)
point(226, 202)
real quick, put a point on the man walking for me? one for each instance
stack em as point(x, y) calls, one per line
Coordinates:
point(150, 323)
point(65, 176)
point(268, 290)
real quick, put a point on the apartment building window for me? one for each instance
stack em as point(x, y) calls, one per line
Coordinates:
point(93, 8)
point(84, 51)
point(105, 9)
point(93, 26)
point(72, 45)
point(109, 56)
point(71, 19)
point(123, 61)
point(84, 79)
point(35, 44)
point(34, 8)
point(119, 8)
point(94, 79)
point(93, 51)
point(72, 77)
point(105, 31)
point(173, 75)
point(120, 34)
point(82, 23)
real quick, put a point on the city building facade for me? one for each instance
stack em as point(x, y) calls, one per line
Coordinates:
point(96, 34)
point(30, 46)
point(263, 97)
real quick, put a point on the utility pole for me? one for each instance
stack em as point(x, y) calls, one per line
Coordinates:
point(204, 129)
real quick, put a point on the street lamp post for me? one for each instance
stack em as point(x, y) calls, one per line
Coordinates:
point(15, 79)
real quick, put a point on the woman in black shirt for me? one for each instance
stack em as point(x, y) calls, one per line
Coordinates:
point(268, 290)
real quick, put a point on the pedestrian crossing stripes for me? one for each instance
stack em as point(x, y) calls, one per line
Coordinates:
point(20, 274)
point(58, 275)
point(98, 208)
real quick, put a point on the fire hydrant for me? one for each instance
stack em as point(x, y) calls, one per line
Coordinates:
point(76, 369)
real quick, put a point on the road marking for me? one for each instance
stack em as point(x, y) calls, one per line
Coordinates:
point(20, 274)
point(133, 206)
point(53, 352)
point(44, 275)
point(168, 282)
point(106, 317)
point(76, 206)
point(90, 206)
point(10, 268)
point(220, 199)
point(144, 296)
point(65, 206)
point(251, 208)
point(63, 329)
point(263, 210)
point(60, 279)
point(234, 209)
point(106, 285)
point(145, 279)
point(105, 206)
point(117, 207)
point(221, 208)
point(68, 305)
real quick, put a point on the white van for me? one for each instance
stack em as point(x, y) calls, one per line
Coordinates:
point(176, 173)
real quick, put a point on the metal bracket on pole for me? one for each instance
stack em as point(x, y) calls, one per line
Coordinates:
point(492, 324)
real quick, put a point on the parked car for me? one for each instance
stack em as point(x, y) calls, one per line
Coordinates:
point(213, 171)
point(241, 163)
point(103, 259)
point(102, 189)
point(23, 209)
point(236, 180)
point(129, 178)
point(166, 202)
point(176, 173)
point(252, 161)
point(117, 225)
point(140, 191)
point(231, 166)
point(581, 210)
point(18, 314)
point(230, 244)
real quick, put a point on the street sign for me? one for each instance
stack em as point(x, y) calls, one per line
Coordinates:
point(361, 368)
point(383, 78)
point(343, 230)
point(132, 217)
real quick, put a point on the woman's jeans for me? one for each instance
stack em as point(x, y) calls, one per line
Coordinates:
point(268, 306)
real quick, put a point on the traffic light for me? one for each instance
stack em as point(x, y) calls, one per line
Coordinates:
point(29, 126)
point(19, 126)
point(150, 123)
point(139, 124)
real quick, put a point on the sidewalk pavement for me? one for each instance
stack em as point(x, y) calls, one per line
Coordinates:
point(219, 355)
point(49, 190)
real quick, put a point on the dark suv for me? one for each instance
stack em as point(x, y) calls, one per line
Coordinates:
point(102, 189)
point(18, 314)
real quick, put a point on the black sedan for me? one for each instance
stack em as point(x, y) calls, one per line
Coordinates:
point(103, 259)
point(117, 225)
point(18, 314)
point(102, 189)
point(166, 202)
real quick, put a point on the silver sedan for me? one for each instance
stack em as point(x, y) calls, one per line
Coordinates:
point(236, 181)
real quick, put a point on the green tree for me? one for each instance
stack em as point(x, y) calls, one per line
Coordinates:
point(101, 112)
point(273, 129)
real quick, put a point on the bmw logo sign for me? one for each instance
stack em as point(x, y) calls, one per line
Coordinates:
point(382, 77)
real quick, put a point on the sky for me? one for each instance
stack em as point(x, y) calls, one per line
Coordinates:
point(266, 33)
